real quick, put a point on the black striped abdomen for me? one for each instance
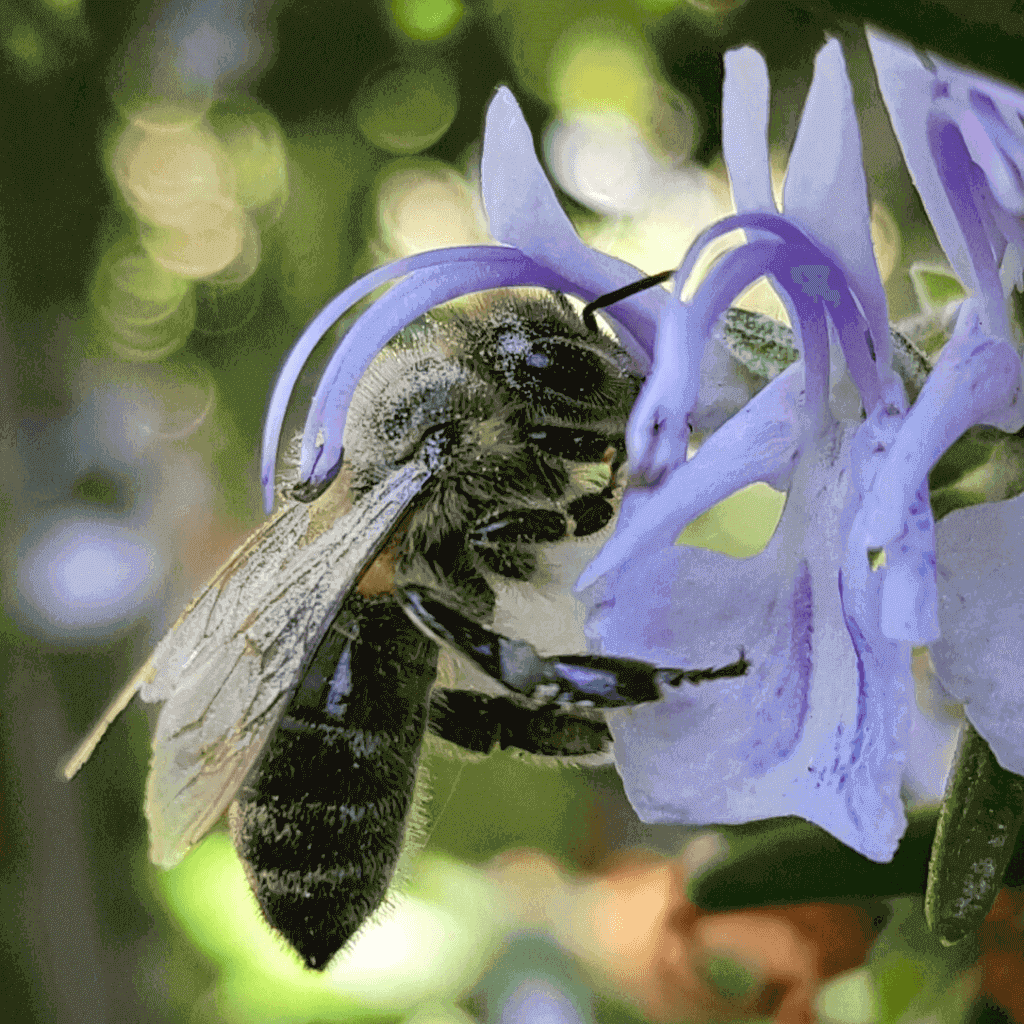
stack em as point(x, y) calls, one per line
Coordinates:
point(320, 819)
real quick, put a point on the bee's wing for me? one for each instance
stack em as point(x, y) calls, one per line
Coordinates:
point(85, 749)
point(225, 669)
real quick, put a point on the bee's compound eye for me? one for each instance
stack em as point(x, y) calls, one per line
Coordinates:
point(542, 367)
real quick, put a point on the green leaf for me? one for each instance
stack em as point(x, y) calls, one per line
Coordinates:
point(763, 345)
point(788, 860)
point(984, 464)
point(977, 828)
point(765, 348)
point(969, 452)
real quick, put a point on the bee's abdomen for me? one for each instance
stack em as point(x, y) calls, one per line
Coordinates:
point(320, 820)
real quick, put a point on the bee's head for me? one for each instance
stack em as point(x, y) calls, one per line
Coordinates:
point(417, 401)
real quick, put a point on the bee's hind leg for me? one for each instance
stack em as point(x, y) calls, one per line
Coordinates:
point(481, 723)
point(586, 680)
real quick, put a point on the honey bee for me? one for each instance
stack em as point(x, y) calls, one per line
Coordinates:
point(298, 686)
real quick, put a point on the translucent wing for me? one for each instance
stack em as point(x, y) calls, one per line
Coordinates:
point(225, 669)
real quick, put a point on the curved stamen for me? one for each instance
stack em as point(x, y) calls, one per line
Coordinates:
point(845, 312)
point(329, 315)
point(407, 301)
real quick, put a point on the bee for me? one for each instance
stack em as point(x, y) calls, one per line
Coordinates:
point(298, 686)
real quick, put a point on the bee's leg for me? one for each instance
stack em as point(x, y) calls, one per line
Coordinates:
point(586, 680)
point(479, 722)
point(591, 512)
point(499, 539)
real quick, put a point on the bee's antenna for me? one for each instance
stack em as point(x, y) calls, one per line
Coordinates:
point(621, 293)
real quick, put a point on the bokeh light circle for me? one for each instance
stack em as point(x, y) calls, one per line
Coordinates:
point(404, 110)
point(82, 579)
point(144, 312)
point(424, 204)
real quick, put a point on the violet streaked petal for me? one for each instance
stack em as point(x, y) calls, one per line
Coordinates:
point(908, 88)
point(971, 87)
point(745, 130)
point(975, 378)
point(759, 443)
point(907, 609)
point(962, 82)
point(523, 211)
point(957, 173)
point(793, 736)
point(959, 147)
point(825, 174)
point(997, 150)
point(981, 611)
point(325, 319)
point(409, 299)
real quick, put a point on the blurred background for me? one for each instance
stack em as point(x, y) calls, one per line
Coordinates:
point(182, 186)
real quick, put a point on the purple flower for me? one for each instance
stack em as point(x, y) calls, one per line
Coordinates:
point(963, 140)
point(541, 248)
point(962, 135)
point(819, 726)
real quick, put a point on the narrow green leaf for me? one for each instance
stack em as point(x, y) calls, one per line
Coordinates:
point(977, 828)
point(763, 345)
point(765, 348)
point(788, 860)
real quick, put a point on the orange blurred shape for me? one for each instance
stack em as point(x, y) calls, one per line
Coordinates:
point(675, 959)
point(1002, 953)
point(635, 925)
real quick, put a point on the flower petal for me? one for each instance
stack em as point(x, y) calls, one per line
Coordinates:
point(964, 186)
point(981, 612)
point(793, 736)
point(745, 130)
point(759, 443)
point(961, 136)
point(826, 174)
point(523, 211)
point(975, 378)
point(909, 88)
point(908, 599)
point(995, 149)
